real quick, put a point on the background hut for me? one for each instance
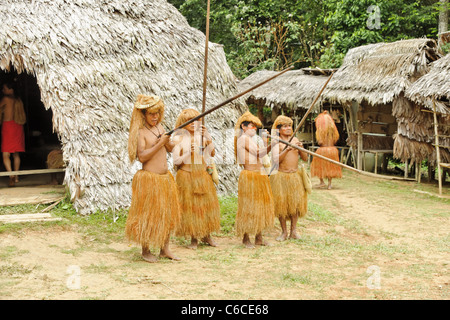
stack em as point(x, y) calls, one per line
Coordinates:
point(427, 114)
point(290, 94)
point(369, 83)
point(89, 59)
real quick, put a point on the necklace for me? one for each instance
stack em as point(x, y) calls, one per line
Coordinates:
point(159, 133)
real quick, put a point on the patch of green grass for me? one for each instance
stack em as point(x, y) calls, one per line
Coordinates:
point(14, 270)
point(10, 251)
point(292, 278)
point(318, 214)
point(228, 209)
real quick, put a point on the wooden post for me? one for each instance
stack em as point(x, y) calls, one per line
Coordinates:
point(376, 162)
point(406, 169)
point(436, 140)
point(418, 173)
point(360, 150)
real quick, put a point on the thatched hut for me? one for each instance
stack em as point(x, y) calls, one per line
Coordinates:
point(370, 83)
point(431, 93)
point(290, 94)
point(90, 59)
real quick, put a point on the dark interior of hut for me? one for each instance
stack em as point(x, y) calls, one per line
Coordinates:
point(40, 139)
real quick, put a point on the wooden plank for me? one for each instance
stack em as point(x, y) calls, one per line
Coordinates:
point(446, 165)
point(25, 172)
point(27, 217)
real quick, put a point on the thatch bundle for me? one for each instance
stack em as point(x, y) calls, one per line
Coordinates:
point(91, 58)
point(292, 90)
point(371, 142)
point(434, 85)
point(377, 73)
point(417, 126)
point(408, 149)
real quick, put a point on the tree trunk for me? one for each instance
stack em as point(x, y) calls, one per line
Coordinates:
point(443, 16)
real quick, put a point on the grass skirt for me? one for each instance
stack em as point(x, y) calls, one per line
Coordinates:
point(200, 211)
point(255, 203)
point(154, 210)
point(289, 195)
point(325, 169)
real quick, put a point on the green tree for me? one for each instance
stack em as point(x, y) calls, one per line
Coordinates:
point(271, 34)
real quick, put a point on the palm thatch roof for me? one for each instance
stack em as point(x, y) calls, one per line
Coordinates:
point(91, 58)
point(293, 89)
point(434, 85)
point(377, 73)
point(415, 138)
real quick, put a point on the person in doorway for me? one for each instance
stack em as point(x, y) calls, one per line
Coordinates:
point(327, 135)
point(12, 118)
point(154, 211)
point(255, 203)
point(288, 186)
point(200, 210)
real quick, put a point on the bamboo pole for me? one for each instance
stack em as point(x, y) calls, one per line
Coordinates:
point(205, 68)
point(438, 154)
point(370, 174)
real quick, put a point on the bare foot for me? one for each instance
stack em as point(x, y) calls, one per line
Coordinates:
point(209, 241)
point(329, 187)
point(294, 235)
point(165, 253)
point(11, 182)
point(148, 256)
point(194, 243)
point(282, 237)
point(259, 241)
point(321, 185)
point(246, 242)
point(17, 179)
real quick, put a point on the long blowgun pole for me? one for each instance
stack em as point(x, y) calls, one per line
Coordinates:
point(205, 69)
point(370, 174)
point(228, 101)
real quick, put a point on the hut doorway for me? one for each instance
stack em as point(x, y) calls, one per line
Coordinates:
point(40, 139)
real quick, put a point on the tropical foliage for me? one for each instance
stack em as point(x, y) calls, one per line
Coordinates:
point(271, 34)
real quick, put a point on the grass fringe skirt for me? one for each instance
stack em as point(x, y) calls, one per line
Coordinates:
point(289, 195)
point(255, 203)
point(200, 210)
point(154, 210)
point(324, 169)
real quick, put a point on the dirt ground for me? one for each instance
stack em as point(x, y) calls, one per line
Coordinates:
point(364, 239)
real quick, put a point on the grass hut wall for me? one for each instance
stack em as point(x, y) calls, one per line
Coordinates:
point(291, 93)
point(91, 58)
point(430, 93)
point(370, 83)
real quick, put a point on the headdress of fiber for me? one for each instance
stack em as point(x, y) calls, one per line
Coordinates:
point(143, 104)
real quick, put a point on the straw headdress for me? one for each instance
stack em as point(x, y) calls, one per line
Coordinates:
point(143, 103)
point(186, 115)
point(247, 116)
point(282, 120)
point(326, 133)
